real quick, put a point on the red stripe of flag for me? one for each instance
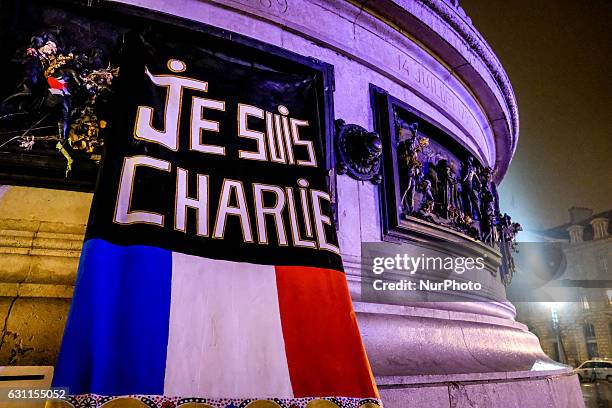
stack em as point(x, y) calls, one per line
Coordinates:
point(324, 350)
point(55, 83)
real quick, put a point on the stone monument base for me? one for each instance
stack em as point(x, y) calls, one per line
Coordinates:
point(539, 389)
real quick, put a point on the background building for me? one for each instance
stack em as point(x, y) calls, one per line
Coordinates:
point(573, 331)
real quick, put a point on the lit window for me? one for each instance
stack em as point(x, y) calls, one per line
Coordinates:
point(592, 349)
point(589, 331)
point(585, 303)
point(554, 317)
point(591, 343)
point(603, 263)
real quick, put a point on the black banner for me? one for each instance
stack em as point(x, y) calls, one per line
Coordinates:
point(215, 149)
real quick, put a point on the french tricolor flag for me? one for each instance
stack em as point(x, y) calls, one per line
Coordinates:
point(149, 321)
point(210, 272)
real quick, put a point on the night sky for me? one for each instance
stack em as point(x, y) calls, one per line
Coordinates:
point(558, 56)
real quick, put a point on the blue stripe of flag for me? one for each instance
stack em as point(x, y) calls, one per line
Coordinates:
point(116, 335)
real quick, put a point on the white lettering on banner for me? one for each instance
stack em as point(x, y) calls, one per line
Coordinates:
point(183, 201)
point(282, 131)
point(232, 191)
point(172, 111)
point(278, 142)
point(123, 215)
point(198, 123)
point(244, 111)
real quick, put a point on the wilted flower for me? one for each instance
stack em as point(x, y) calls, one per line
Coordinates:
point(50, 48)
point(26, 142)
point(78, 87)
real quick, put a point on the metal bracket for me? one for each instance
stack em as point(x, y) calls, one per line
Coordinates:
point(359, 152)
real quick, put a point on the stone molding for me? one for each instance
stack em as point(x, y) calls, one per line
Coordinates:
point(546, 389)
point(434, 312)
point(600, 227)
point(457, 20)
point(420, 380)
point(40, 258)
point(453, 344)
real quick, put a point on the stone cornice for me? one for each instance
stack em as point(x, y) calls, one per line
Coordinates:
point(39, 259)
point(456, 18)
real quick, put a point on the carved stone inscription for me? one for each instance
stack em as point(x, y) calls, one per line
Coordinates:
point(268, 6)
point(431, 85)
point(385, 55)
